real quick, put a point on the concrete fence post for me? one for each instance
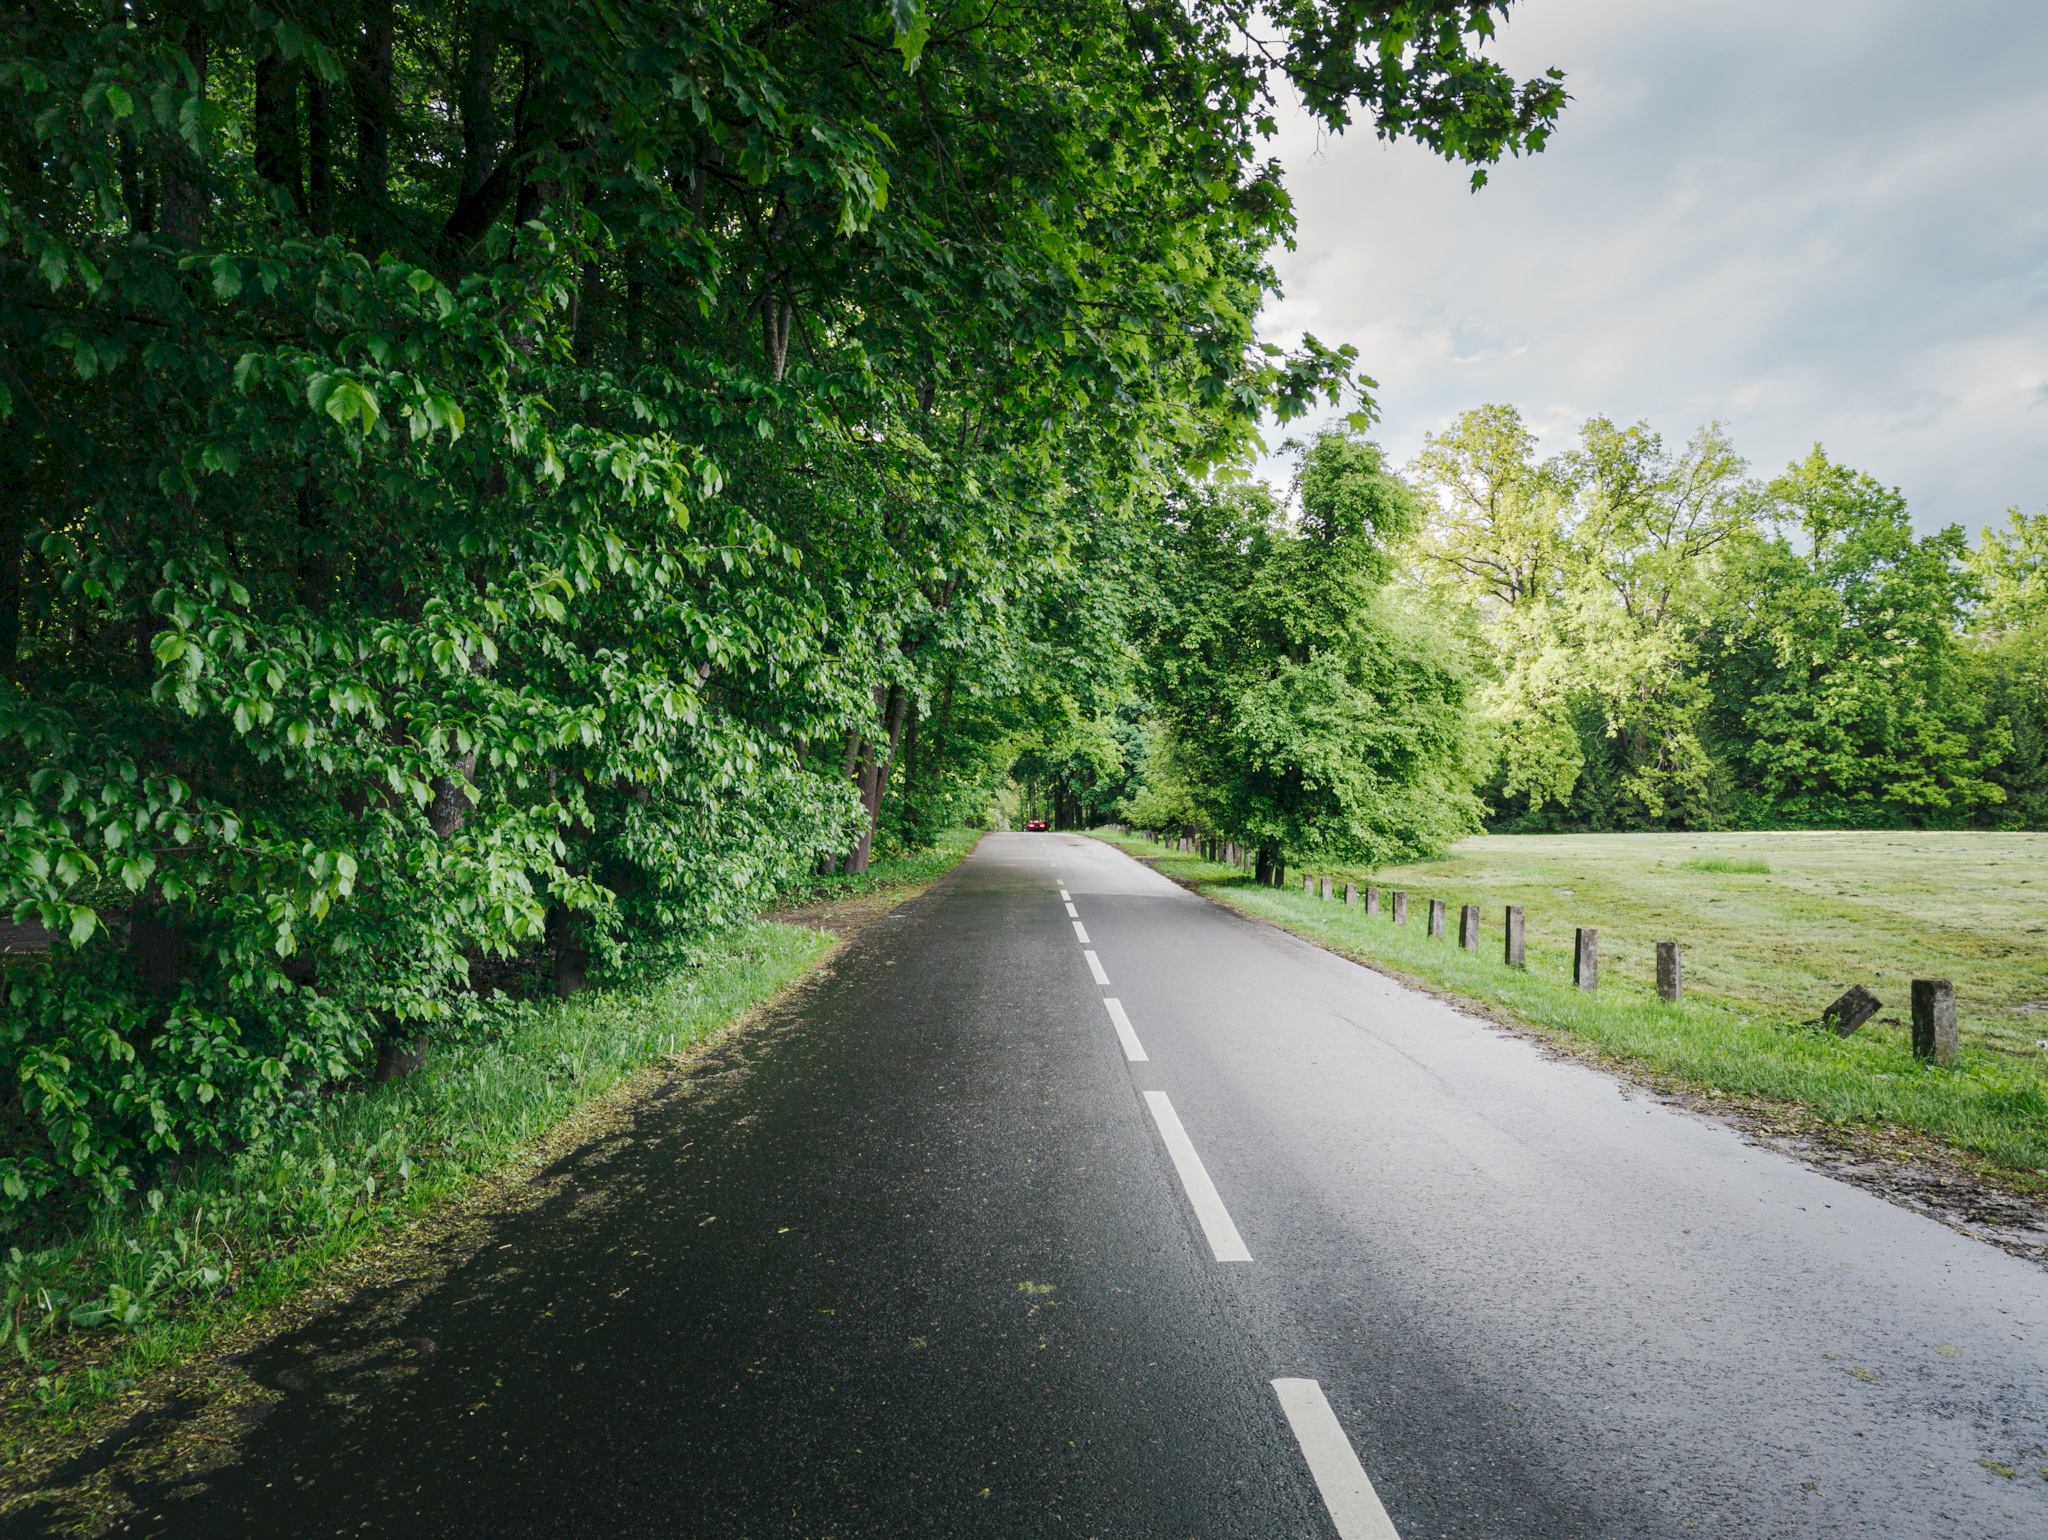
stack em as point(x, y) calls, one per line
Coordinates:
point(1468, 927)
point(1586, 959)
point(1400, 902)
point(1436, 919)
point(1670, 973)
point(1515, 952)
point(1372, 900)
point(1329, 889)
point(1351, 895)
point(1934, 1020)
point(1308, 887)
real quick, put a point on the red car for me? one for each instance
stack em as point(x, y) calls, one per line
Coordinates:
point(1036, 826)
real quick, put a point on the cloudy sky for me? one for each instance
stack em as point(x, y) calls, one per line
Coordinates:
point(1811, 220)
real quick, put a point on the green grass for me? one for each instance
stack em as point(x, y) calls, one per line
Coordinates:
point(234, 1236)
point(1760, 957)
point(1723, 864)
point(884, 872)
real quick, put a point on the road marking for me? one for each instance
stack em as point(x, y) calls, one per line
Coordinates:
point(1073, 913)
point(1065, 894)
point(1082, 932)
point(1133, 1049)
point(1354, 1506)
point(1194, 1179)
point(1095, 967)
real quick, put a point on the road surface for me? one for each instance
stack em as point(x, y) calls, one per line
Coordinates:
point(1076, 1205)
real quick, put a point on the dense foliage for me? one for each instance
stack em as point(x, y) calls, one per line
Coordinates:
point(1667, 642)
point(492, 489)
point(1308, 713)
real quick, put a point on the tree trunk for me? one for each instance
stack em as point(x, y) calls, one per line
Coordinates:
point(449, 810)
point(875, 776)
point(276, 127)
point(319, 156)
point(156, 949)
point(183, 215)
point(373, 104)
point(13, 529)
point(572, 958)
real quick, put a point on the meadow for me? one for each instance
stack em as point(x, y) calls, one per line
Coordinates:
point(1773, 927)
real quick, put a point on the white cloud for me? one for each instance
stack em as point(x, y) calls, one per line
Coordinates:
point(1813, 222)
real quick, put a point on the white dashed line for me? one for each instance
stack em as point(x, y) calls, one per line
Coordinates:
point(1095, 967)
point(1354, 1506)
point(1065, 894)
point(1133, 1049)
point(1194, 1179)
point(1073, 913)
point(1081, 931)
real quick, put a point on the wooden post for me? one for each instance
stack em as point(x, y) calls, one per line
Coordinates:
point(1468, 927)
point(1436, 919)
point(1670, 973)
point(1329, 889)
point(1350, 895)
point(1372, 900)
point(1515, 953)
point(1934, 1021)
point(1400, 908)
point(1308, 887)
point(1586, 959)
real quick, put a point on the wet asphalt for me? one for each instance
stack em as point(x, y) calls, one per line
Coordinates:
point(917, 1260)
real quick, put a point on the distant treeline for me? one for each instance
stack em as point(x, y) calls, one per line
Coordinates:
point(1660, 640)
point(1627, 635)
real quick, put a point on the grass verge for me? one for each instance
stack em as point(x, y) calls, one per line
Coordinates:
point(94, 1318)
point(1988, 1105)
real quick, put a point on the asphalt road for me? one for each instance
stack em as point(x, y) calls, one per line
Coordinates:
point(942, 1258)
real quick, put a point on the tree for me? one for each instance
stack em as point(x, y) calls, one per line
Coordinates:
point(1841, 690)
point(2009, 640)
point(495, 479)
point(1588, 575)
point(1309, 713)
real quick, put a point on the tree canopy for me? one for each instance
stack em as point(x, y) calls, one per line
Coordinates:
point(493, 485)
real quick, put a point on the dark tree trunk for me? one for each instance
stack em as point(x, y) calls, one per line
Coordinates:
point(183, 214)
point(319, 156)
point(401, 1049)
point(276, 127)
point(156, 949)
point(493, 174)
point(13, 530)
point(572, 958)
point(373, 104)
point(449, 810)
point(875, 776)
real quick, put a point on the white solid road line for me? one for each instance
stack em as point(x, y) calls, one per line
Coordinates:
point(1133, 1049)
point(1082, 933)
point(1202, 1195)
point(1095, 967)
point(1347, 1492)
point(1072, 912)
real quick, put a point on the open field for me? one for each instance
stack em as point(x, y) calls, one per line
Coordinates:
point(1836, 908)
point(1763, 952)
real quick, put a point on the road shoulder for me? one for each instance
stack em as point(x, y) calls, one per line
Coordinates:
point(1905, 1168)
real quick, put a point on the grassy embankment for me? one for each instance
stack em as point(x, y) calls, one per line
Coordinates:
point(234, 1236)
point(1764, 951)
